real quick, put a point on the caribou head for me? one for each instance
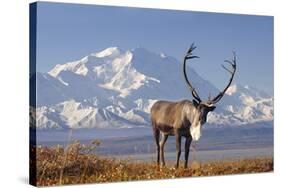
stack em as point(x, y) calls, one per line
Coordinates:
point(204, 107)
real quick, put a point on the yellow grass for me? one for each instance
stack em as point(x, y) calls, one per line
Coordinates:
point(78, 164)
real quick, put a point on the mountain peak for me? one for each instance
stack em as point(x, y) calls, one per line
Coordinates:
point(232, 89)
point(111, 51)
point(246, 90)
point(116, 88)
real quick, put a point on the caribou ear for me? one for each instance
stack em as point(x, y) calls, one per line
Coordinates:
point(195, 103)
point(212, 108)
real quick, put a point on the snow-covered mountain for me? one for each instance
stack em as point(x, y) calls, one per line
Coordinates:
point(116, 89)
point(243, 105)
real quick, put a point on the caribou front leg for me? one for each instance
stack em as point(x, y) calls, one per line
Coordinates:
point(178, 145)
point(187, 146)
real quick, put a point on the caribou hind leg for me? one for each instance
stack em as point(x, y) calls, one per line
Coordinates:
point(187, 146)
point(156, 134)
point(162, 143)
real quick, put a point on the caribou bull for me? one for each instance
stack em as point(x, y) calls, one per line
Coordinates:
point(184, 118)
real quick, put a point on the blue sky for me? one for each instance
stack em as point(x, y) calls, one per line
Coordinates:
point(68, 32)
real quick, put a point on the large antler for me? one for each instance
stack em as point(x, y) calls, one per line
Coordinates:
point(189, 55)
point(232, 72)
